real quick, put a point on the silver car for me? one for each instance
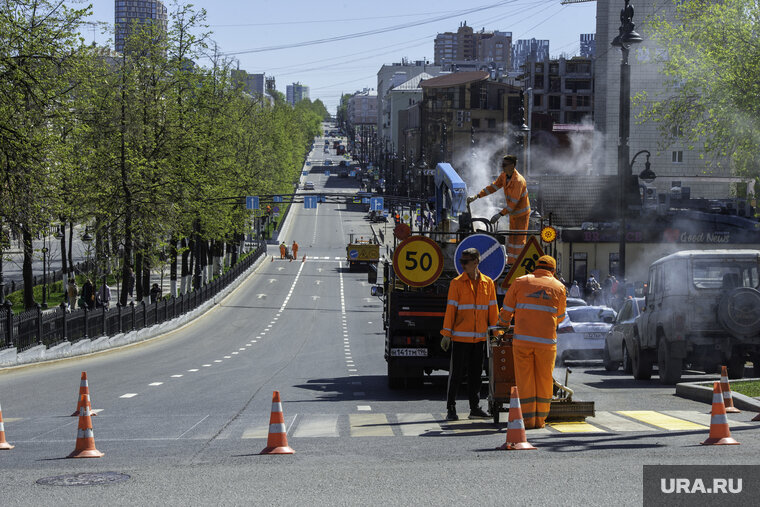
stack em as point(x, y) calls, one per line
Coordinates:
point(615, 349)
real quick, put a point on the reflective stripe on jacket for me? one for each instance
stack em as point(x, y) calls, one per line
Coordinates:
point(515, 193)
point(538, 303)
point(470, 309)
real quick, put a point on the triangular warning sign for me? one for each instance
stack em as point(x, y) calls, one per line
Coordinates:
point(526, 262)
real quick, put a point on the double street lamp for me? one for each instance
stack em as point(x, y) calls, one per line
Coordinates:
point(626, 37)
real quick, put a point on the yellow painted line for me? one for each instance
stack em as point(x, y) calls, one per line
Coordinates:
point(575, 427)
point(700, 418)
point(661, 420)
point(369, 425)
point(12, 419)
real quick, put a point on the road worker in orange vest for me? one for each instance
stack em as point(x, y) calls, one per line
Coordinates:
point(294, 249)
point(518, 204)
point(283, 250)
point(537, 302)
point(470, 310)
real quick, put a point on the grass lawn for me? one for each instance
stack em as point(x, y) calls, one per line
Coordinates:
point(750, 388)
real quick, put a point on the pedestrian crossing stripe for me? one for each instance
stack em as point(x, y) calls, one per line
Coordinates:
point(424, 424)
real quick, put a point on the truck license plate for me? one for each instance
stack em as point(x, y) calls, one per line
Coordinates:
point(595, 336)
point(416, 352)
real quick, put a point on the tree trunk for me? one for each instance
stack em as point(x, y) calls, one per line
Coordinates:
point(71, 247)
point(138, 276)
point(186, 251)
point(64, 266)
point(27, 268)
point(173, 267)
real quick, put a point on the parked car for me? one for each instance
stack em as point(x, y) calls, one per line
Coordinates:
point(581, 334)
point(576, 302)
point(309, 185)
point(619, 339)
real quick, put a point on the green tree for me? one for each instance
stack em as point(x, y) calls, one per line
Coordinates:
point(711, 63)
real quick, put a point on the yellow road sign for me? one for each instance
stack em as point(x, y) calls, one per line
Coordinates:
point(418, 261)
point(526, 262)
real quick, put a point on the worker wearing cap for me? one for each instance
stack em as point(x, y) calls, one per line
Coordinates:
point(471, 308)
point(518, 204)
point(537, 302)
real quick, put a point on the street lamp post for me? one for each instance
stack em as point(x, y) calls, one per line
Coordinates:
point(627, 36)
point(44, 271)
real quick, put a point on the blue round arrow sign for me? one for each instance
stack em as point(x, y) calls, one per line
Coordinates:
point(492, 257)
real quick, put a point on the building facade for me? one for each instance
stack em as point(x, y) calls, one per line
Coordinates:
point(529, 49)
point(295, 93)
point(588, 45)
point(362, 108)
point(129, 12)
point(251, 83)
point(466, 44)
point(561, 89)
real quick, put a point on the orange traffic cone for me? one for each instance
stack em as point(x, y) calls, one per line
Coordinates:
point(516, 440)
point(277, 441)
point(84, 389)
point(725, 388)
point(719, 432)
point(85, 446)
point(4, 446)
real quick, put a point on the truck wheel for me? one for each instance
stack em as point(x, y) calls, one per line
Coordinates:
point(609, 364)
point(736, 365)
point(670, 367)
point(641, 364)
point(739, 311)
point(627, 367)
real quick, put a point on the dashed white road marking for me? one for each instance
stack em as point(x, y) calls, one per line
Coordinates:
point(155, 383)
point(217, 360)
point(177, 376)
point(363, 408)
point(205, 365)
point(193, 369)
point(128, 395)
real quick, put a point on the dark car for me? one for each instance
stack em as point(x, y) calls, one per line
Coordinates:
point(615, 349)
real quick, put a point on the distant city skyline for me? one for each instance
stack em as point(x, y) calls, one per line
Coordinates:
point(390, 31)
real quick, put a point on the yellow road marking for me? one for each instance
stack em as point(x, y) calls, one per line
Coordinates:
point(369, 425)
point(661, 420)
point(575, 427)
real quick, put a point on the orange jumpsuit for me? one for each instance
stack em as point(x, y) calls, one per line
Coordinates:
point(518, 208)
point(295, 250)
point(283, 250)
point(538, 304)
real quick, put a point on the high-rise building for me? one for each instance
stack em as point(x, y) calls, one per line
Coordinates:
point(252, 83)
point(129, 12)
point(465, 45)
point(529, 49)
point(588, 45)
point(296, 93)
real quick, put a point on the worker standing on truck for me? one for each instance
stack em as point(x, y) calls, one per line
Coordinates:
point(471, 308)
point(538, 303)
point(518, 204)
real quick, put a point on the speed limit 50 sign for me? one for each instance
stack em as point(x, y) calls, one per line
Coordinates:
point(418, 261)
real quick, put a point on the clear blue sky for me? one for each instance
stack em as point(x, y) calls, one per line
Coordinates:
point(345, 66)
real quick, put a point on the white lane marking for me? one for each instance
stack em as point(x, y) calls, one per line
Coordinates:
point(227, 357)
point(241, 349)
point(128, 395)
point(205, 365)
point(236, 353)
point(191, 427)
point(261, 296)
point(193, 369)
point(363, 408)
point(352, 369)
point(155, 383)
point(217, 360)
point(177, 376)
point(318, 425)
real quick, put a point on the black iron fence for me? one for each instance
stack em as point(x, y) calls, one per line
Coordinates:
point(51, 327)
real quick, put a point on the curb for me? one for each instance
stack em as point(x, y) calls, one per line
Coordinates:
point(696, 392)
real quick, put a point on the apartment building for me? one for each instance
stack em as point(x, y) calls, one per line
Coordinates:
point(129, 12)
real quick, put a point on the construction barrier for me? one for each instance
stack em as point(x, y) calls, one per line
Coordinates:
point(277, 440)
point(719, 432)
point(85, 445)
point(84, 389)
point(516, 439)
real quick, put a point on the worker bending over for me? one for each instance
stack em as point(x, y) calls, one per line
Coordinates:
point(470, 310)
point(538, 303)
point(518, 205)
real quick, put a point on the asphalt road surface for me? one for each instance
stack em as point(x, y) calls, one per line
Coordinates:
point(185, 416)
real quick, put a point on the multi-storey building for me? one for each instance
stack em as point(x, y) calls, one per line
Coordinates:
point(465, 44)
point(296, 92)
point(588, 45)
point(252, 83)
point(362, 108)
point(529, 49)
point(561, 89)
point(129, 12)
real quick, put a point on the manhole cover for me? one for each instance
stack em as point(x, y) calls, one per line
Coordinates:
point(84, 479)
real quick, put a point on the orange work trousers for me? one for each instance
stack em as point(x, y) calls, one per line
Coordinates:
point(282, 252)
point(516, 243)
point(295, 252)
point(533, 376)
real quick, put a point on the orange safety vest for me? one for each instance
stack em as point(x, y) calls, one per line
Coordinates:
point(470, 309)
point(515, 192)
point(538, 303)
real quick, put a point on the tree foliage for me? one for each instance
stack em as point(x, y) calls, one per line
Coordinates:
point(145, 147)
point(711, 61)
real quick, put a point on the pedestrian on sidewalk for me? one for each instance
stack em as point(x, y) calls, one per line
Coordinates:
point(71, 294)
point(155, 293)
point(104, 295)
point(88, 295)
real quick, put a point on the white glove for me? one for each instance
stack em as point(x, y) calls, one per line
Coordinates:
point(496, 218)
point(445, 342)
point(471, 198)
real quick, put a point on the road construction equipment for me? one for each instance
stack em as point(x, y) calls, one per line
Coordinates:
point(361, 252)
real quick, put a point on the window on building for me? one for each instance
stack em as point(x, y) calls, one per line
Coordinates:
point(583, 100)
point(537, 99)
point(491, 123)
point(677, 157)
point(569, 100)
point(554, 84)
point(676, 131)
point(476, 123)
point(538, 81)
point(614, 268)
point(580, 268)
point(555, 101)
point(554, 68)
